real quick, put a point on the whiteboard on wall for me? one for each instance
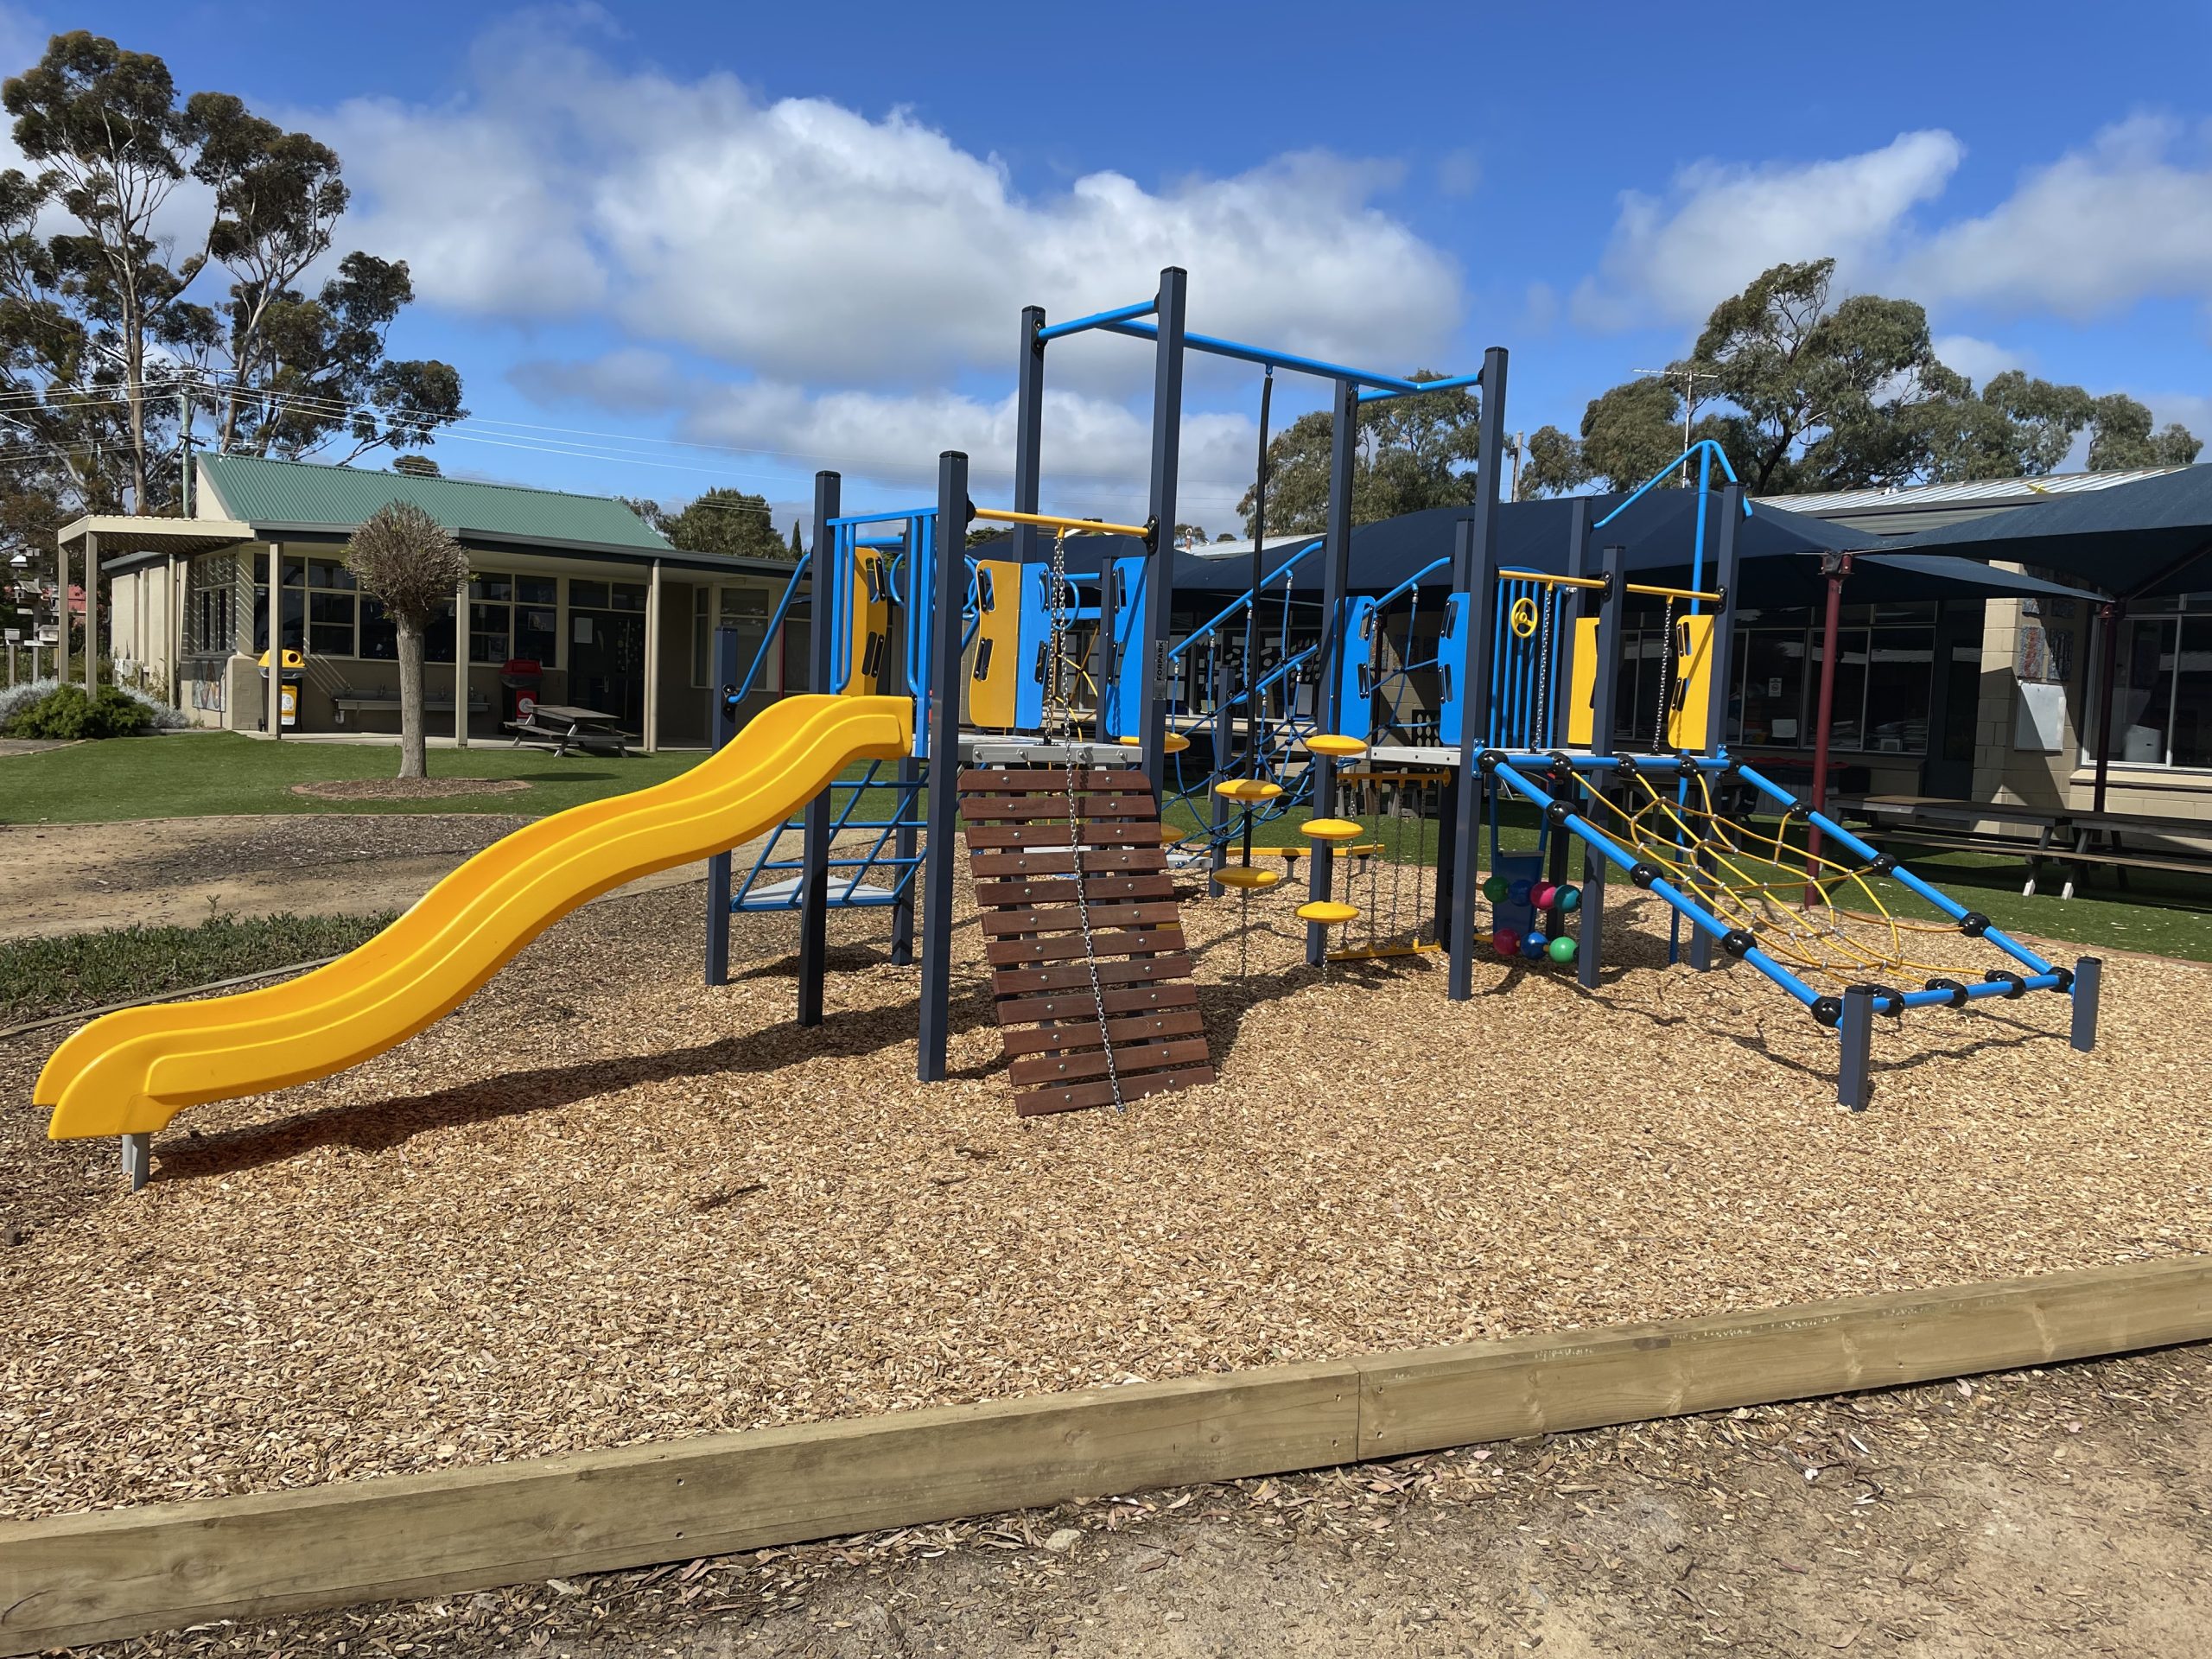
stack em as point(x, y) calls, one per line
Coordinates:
point(2039, 719)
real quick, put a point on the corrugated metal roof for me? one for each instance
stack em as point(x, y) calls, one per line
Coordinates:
point(301, 493)
point(1977, 492)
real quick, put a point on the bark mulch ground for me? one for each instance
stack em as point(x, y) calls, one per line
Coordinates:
point(602, 1204)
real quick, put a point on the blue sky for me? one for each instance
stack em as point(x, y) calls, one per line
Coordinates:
point(793, 237)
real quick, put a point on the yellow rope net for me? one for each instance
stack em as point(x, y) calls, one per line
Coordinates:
point(1752, 877)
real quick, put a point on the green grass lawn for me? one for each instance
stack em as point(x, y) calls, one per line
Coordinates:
point(200, 774)
point(203, 773)
point(40, 977)
point(2157, 914)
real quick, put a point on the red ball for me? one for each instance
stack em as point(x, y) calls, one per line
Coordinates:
point(1543, 895)
point(1506, 941)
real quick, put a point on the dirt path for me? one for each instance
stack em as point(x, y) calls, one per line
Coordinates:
point(71, 878)
point(2058, 1512)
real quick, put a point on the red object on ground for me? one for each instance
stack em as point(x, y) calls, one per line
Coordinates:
point(524, 677)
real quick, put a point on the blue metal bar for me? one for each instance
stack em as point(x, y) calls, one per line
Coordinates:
point(1666, 471)
point(1696, 914)
point(1243, 600)
point(852, 518)
point(1099, 319)
point(1451, 384)
point(1412, 581)
point(775, 625)
point(1897, 873)
point(1242, 352)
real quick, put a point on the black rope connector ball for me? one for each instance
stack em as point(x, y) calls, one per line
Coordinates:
point(1489, 761)
point(1828, 1010)
point(1643, 874)
point(1884, 863)
point(1973, 924)
point(1686, 768)
point(1737, 941)
point(2065, 977)
point(1624, 763)
point(2014, 985)
point(1887, 1000)
point(1557, 814)
point(1958, 991)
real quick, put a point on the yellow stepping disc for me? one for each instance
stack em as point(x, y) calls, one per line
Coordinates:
point(1247, 789)
point(1332, 830)
point(1327, 911)
point(1330, 743)
point(1176, 742)
point(1243, 875)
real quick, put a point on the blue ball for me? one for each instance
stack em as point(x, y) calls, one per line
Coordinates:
point(1520, 893)
point(1570, 898)
point(1532, 945)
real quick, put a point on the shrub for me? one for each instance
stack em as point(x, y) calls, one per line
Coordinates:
point(66, 713)
point(129, 710)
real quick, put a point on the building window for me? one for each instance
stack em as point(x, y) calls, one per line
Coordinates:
point(211, 591)
point(1885, 679)
point(747, 610)
point(606, 595)
point(2161, 689)
point(513, 616)
point(331, 598)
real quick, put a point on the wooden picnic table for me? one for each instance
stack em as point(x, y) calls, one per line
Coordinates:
point(563, 726)
point(2075, 840)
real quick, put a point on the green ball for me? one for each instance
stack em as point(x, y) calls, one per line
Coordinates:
point(1560, 948)
point(1495, 888)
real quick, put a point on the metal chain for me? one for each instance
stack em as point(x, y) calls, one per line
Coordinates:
point(1666, 681)
point(1061, 726)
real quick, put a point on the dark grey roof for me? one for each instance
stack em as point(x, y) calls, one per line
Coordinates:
point(2135, 541)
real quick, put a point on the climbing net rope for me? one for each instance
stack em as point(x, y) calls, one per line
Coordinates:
point(1826, 919)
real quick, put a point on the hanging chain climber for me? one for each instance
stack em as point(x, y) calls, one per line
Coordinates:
point(1059, 726)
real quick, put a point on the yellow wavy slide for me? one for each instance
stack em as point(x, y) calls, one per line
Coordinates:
point(130, 1073)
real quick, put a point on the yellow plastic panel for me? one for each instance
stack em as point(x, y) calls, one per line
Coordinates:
point(871, 623)
point(1693, 655)
point(998, 645)
point(1582, 677)
point(133, 1071)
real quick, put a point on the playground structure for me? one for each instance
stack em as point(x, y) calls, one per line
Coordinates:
point(1046, 689)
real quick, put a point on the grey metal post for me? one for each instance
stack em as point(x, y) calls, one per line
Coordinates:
point(1028, 429)
point(460, 658)
point(276, 711)
point(2089, 986)
point(814, 838)
point(1479, 556)
point(1335, 577)
point(943, 717)
point(1223, 738)
point(1854, 1082)
point(905, 840)
point(1489, 463)
point(1723, 580)
point(137, 1160)
point(1605, 706)
point(722, 725)
point(1150, 638)
point(92, 608)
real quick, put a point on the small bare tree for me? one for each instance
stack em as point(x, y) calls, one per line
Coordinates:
point(406, 558)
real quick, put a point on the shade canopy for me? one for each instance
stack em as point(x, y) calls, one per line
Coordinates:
point(1780, 554)
point(2134, 541)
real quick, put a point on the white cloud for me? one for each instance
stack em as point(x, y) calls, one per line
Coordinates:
point(1097, 450)
point(1671, 260)
point(1977, 359)
point(2093, 232)
point(2125, 218)
point(807, 242)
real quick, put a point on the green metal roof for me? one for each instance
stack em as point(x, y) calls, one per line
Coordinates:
point(300, 493)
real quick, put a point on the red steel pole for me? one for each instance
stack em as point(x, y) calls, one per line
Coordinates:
point(1838, 566)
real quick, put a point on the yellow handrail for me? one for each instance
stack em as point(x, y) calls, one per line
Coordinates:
point(1069, 526)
